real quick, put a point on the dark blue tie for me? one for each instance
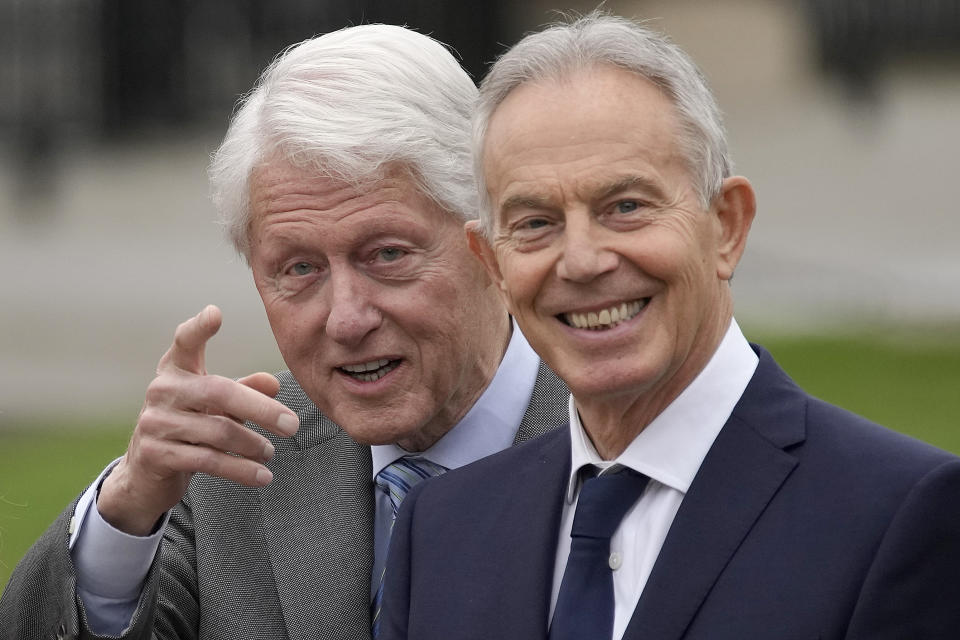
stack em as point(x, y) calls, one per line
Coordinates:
point(585, 604)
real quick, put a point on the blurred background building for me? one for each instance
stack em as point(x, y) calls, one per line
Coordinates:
point(845, 114)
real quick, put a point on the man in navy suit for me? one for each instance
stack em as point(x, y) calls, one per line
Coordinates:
point(747, 508)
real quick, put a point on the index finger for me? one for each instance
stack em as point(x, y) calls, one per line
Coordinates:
point(190, 341)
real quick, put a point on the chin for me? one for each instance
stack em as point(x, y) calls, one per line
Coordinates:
point(585, 386)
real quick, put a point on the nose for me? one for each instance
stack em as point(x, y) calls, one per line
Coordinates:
point(584, 256)
point(353, 311)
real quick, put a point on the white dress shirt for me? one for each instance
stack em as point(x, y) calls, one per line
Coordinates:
point(111, 565)
point(669, 451)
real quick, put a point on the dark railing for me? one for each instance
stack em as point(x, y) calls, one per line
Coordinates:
point(112, 65)
point(856, 38)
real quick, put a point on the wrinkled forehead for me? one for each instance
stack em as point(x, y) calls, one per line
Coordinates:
point(285, 196)
point(279, 158)
point(310, 173)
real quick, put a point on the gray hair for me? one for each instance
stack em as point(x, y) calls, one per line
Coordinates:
point(598, 39)
point(351, 105)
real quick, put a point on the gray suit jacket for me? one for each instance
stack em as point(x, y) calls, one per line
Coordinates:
point(291, 560)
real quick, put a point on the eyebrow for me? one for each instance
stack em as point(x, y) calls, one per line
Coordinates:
point(601, 192)
point(626, 183)
point(525, 201)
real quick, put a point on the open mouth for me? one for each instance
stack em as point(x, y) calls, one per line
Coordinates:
point(603, 319)
point(369, 371)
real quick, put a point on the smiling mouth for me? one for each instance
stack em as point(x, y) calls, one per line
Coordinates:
point(603, 319)
point(369, 371)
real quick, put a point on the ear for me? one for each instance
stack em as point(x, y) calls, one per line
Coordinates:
point(734, 209)
point(480, 246)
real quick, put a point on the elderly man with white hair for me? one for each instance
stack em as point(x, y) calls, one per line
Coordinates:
point(698, 492)
point(262, 507)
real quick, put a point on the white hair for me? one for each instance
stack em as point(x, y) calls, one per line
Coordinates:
point(563, 49)
point(351, 105)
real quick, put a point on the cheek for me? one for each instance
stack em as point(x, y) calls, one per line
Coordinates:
point(522, 280)
point(670, 255)
point(272, 307)
point(283, 332)
point(293, 326)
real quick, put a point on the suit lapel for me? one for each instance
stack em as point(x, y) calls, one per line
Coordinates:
point(318, 522)
point(536, 499)
point(740, 475)
point(525, 559)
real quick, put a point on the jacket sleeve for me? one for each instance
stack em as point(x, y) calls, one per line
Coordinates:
point(912, 589)
point(40, 601)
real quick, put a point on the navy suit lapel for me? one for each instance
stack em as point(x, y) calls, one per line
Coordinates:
point(523, 573)
point(742, 472)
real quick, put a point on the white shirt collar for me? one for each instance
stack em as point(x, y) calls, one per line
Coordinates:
point(491, 423)
point(671, 449)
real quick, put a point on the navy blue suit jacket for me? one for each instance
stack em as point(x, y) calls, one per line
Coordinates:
point(804, 521)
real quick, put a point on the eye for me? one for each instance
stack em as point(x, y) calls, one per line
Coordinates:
point(626, 206)
point(534, 223)
point(531, 223)
point(302, 269)
point(390, 254)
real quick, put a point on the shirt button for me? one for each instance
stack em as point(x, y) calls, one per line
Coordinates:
point(615, 560)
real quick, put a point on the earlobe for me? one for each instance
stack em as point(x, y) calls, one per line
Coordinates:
point(735, 208)
point(480, 246)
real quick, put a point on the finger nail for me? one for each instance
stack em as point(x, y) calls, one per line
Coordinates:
point(268, 451)
point(288, 423)
point(264, 476)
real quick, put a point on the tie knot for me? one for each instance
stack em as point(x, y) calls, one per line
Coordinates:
point(397, 478)
point(603, 502)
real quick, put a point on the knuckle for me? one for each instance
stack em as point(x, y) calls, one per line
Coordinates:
point(150, 452)
point(150, 418)
point(210, 388)
point(181, 332)
point(160, 389)
point(165, 360)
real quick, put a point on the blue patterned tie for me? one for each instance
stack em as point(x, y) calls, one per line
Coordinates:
point(396, 480)
point(585, 603)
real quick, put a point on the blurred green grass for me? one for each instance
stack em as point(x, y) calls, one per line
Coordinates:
point(909, 381)
point(43, 467)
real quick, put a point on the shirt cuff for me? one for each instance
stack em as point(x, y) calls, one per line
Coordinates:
point(109, 563)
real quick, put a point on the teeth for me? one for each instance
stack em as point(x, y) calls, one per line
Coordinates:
point(605, 318)
point(366, 366)
point(370, 371)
